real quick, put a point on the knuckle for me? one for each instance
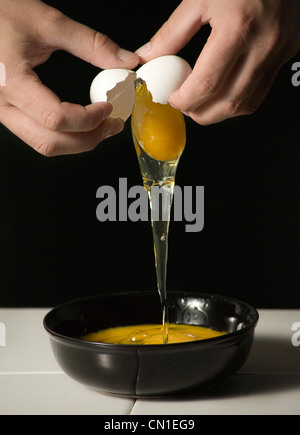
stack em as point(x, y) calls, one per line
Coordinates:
point(273, 41)
point(201, 119)
point(207, 87)
point(51, 23)
point(45, 148)
point(204, 88)
point(239, 107)
point(96, 42)
point(233, 108)
point(241, 27)
point(53, 120)
point(251, 108)
point(54, 17)
point(99, 40)
point(165, 32)
point(275, 33)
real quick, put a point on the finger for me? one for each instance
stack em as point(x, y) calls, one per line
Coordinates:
point(175, 33)
point(242, 92)
point(261, 90)
point(215, 62)
point(33, 98)
point(88, 44)
point(211, 113)
point(53, 143)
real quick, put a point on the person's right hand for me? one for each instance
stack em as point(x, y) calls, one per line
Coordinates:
point(249, 42)
point(30, 31)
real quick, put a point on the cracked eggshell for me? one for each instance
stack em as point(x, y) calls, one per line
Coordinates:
point(115, 86)
point(164, 75)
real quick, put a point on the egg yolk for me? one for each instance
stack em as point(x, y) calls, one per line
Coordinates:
point(151, 334)
point(158, 128)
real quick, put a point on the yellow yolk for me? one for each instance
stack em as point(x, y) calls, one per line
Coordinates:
point(158, 128)
point(151, 334)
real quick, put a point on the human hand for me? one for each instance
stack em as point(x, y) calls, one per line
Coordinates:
point(249, 42)
point(30, 31)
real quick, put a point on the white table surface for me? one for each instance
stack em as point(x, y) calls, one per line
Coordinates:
point(31, 382)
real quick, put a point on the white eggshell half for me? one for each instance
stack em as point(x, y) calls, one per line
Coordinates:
point(164, 75)
point(117, 87)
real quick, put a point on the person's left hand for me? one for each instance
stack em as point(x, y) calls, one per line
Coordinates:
point(30, 31)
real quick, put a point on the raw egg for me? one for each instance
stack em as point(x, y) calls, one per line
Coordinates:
point(158, 128)
point(159, 135)
point(152, 334)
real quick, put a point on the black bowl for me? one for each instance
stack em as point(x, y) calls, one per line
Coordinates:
point(151, 370)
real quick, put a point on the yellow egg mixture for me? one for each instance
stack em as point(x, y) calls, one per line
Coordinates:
point(151, 334)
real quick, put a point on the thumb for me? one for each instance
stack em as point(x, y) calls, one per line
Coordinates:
point(89, 45)
point(175, 33)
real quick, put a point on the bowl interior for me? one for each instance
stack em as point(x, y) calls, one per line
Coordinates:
point(74, 319)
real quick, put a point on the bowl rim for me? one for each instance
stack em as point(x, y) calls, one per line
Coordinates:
point(91, 344)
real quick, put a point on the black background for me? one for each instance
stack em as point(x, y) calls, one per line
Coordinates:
point(53, 249)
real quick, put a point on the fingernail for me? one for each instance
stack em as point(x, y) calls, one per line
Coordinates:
point(173, 105)
point(126, 56)
point(142, 51)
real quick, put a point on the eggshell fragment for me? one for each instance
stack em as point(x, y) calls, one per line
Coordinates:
point(164, 75)
point(115, 86)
